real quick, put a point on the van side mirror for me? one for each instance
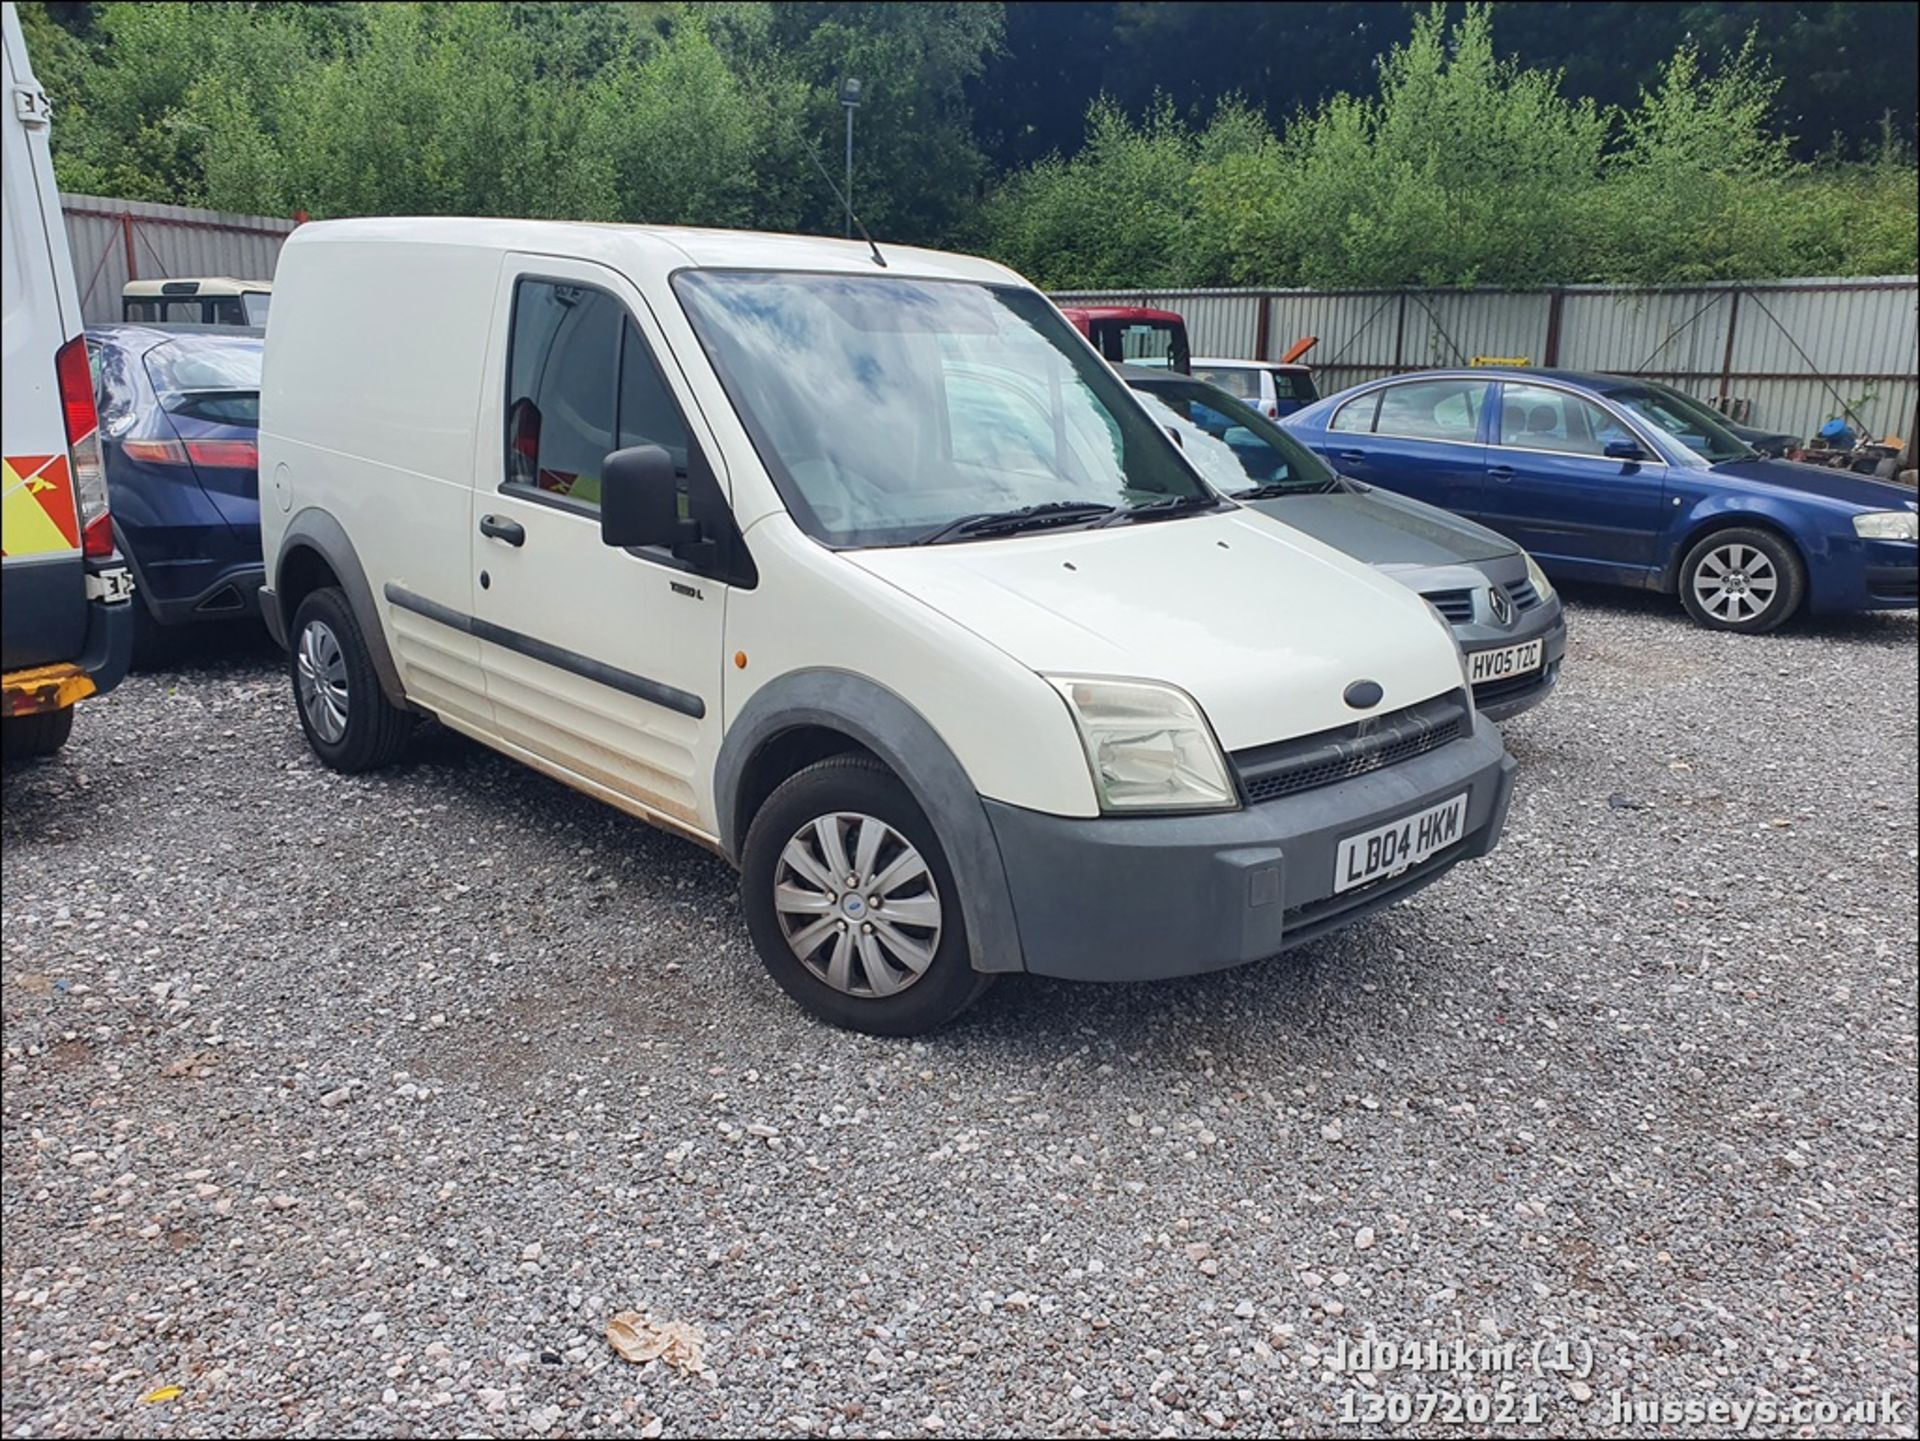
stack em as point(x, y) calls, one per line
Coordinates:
point(640, 500)
point(1624, 450)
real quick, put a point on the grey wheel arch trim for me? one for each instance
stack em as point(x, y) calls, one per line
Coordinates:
point(319, 532)
point(869, 713)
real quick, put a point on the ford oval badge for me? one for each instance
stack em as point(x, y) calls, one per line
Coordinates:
point(1364, 694)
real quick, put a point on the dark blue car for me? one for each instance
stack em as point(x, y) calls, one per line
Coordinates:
point(1604, 478)
point(179, 426)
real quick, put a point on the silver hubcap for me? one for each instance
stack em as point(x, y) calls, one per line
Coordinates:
point(857, 904)
point(1735, 583)
point(322, 677)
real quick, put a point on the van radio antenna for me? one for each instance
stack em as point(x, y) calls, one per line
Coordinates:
point(814, 155)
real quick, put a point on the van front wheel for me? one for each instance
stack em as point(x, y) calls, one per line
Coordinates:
point(349, 721)
point(851, 904)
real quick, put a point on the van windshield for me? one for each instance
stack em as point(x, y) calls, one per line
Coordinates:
point(890, 410)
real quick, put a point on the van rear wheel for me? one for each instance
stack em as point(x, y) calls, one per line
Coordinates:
point(23, 737)
point(852, 905)
point(348, 720)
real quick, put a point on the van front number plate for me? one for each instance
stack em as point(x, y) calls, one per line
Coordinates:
point(1390, 849)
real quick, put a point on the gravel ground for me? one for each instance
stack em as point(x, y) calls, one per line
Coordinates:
point(358, 1106)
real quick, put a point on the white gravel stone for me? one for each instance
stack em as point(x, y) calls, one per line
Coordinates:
point(1591, 1054)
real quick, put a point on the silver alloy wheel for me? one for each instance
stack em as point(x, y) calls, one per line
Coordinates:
point(857, 904)
point(322, 671)
point(1736, 582)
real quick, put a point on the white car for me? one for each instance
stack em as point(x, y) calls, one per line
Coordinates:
point(1269, 386)
point(685, 519)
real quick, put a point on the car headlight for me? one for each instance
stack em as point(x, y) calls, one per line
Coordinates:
point(1887, 525)
point(1148, 745)
point(1541, 585)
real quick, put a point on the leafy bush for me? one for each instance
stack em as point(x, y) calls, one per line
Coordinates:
point(1465, 169)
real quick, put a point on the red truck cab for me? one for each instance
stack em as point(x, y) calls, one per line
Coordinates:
point(1134, 334)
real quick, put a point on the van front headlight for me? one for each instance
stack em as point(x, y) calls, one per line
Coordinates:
point(1541, 585)
point(1887, 525)
point(1148, 745)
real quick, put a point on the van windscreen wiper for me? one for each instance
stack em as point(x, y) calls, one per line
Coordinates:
point(1006, 522)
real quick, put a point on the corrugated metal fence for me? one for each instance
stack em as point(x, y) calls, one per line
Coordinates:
point(1785, 354)
point(115, 241)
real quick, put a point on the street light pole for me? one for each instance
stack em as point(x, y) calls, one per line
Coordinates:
point(849, 100)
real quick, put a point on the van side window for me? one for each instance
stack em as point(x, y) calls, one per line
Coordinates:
point(563, 367)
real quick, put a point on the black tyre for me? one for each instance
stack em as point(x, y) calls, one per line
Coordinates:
point(349, 721)
point(1742, 580)
point(851, 903)
point(23, 737)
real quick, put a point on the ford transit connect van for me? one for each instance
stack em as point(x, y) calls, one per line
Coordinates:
point(862, 569)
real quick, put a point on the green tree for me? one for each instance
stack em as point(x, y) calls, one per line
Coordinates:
point(1699, 175)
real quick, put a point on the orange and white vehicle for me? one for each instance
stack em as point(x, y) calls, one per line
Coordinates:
point(65, 626)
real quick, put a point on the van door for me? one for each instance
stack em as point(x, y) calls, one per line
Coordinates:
point(603, 665)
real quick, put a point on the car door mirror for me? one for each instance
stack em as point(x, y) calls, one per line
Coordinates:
point(640, 500)
point(1625, 450)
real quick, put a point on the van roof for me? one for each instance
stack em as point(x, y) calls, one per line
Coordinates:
point(195, 285)
point(664, 248)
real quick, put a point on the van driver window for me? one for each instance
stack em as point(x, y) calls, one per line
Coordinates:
point(563, 366)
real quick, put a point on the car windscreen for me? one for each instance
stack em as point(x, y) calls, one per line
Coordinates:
point(886, 408)
point(1694, 426)
point(1235, 447)
point(208, 378)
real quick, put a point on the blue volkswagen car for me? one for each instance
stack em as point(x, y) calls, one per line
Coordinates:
point(179, 428)
point(1603, 478)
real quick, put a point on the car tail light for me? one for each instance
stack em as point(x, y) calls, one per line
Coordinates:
point(224, 454)
point(83, 448)
point(214, 454)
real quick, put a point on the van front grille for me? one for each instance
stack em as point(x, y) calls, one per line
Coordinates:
point(1269, 772)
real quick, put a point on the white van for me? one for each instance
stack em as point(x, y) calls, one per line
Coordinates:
point(66, 628)
point(862, 569)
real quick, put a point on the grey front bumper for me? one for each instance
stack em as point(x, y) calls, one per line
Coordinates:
point(1503, 699)
point(1141, 898)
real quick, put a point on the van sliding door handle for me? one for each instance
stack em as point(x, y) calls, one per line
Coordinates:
point(511, 531)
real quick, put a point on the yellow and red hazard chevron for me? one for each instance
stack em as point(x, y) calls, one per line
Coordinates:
point(37, 513)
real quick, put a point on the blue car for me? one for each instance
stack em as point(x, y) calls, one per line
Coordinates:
point(1604, 478)
point(179, 426)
